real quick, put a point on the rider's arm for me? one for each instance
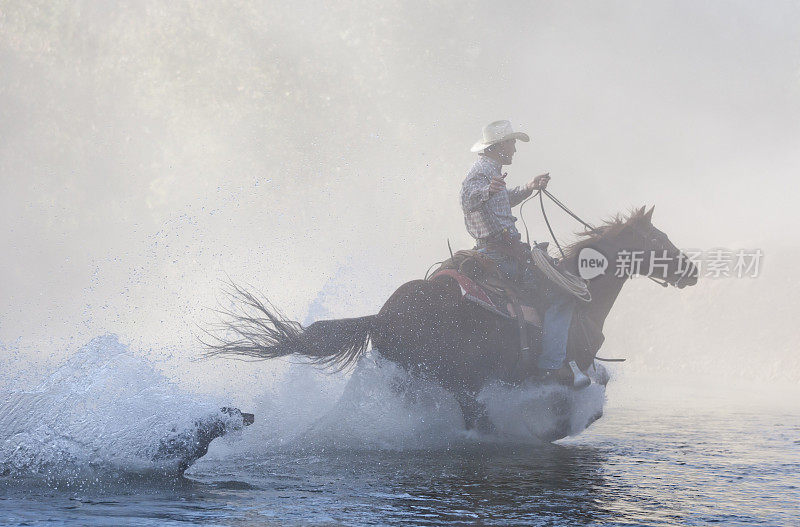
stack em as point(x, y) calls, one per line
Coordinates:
point(517, 194)
point(474, 192)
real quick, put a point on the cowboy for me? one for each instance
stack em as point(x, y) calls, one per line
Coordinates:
point(487, 202)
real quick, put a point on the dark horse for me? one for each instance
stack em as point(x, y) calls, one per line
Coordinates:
point(428, 328)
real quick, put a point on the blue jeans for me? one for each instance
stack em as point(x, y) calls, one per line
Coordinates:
point(559, 306)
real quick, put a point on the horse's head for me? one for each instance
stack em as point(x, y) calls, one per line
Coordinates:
point(636, 246)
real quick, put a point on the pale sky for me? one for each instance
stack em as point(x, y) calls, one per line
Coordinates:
point(147, 149)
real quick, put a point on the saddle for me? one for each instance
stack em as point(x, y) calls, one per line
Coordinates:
point(483, 283)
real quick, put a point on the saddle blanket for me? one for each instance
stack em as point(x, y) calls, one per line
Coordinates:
point(471, 291)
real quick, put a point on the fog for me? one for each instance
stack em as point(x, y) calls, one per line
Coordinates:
point(149, 150)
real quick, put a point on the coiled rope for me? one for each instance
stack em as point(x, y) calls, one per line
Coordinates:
point(567, 281)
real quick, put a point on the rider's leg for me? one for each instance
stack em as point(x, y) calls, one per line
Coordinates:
point(555, 329)
point(505, 263)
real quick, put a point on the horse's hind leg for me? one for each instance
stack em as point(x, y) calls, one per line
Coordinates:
point(475, 415)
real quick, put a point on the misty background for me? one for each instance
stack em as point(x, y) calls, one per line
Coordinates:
point(315, 151)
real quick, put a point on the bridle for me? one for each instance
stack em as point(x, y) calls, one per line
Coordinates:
point(646, 236)
point(657, 239)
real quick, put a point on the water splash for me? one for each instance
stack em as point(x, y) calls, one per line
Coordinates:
point(543, 413)
point(102, 410)
point(383, 407)
point(108, 411)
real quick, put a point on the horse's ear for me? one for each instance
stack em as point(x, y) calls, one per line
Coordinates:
point(649, 214)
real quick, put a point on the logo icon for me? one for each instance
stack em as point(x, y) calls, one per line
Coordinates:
point(591, 263)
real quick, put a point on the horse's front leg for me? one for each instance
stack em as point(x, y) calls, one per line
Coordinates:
point(474, 412)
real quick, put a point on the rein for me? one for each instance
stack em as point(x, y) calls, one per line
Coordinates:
point(540, 193)
point(563, 207)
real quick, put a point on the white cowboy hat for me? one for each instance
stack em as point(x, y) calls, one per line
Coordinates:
point(497, 132)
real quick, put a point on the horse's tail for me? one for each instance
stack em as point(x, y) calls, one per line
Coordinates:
point(255, 329)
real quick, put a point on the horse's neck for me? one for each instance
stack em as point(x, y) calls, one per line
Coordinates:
point(604, 289)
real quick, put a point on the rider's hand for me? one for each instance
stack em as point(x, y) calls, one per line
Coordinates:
point(539, 182)
point(497, 184)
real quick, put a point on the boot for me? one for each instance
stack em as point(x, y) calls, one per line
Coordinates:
point(579, 379)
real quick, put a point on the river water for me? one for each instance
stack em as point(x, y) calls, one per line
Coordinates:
point(363, 459)
point(631, 469)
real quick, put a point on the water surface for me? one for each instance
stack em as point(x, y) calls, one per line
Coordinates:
point(633, 467)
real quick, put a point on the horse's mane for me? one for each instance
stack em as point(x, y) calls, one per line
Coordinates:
point(610, 227)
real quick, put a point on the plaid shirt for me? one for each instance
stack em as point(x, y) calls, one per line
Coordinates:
point(485, 214)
